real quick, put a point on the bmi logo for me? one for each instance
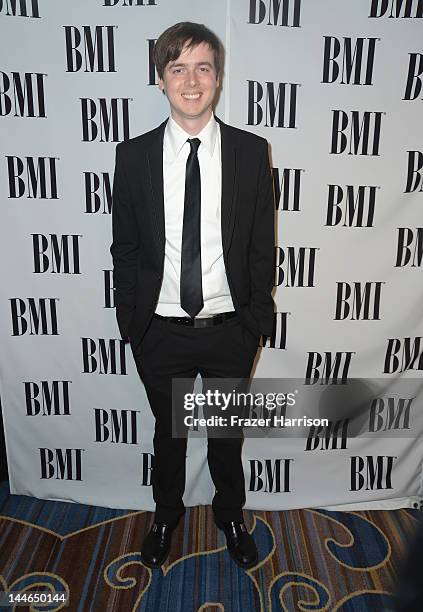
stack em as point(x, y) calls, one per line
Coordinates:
point(275, 104)
point(409, 247)
point(328, 368)
point(130, 3)
point(358, 301)
point(371, 473)
point(348, 62)
point(328, 437)
point(288, 188)
point(90, 48)
point(270, 475)
point(56, 254)
point(279, 332)
point(32, 177)
point(404, 354)
point(351, 205)
point(105, 120)
point(388, 413)
point(22, 94)
point(109, 290)
point(151, 66)
point(295, 266)
point(61, 463)
point(275, 12)
point(20, 8)
point(34, 316)
point(357, 132)
point(413, 86)
point(414, 174)
point(147, 461)
point(98, 193)
point(103, 356)
point(396, 8)
point(47, 398)
point(116, 426)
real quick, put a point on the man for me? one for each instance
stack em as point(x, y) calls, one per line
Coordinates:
point(193, 253)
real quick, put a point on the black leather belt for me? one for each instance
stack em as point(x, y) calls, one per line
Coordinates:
point(198, 321)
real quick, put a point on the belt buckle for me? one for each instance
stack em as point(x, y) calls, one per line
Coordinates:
point(203, 322)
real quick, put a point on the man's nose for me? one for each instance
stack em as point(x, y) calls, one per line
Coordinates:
point(192, 78)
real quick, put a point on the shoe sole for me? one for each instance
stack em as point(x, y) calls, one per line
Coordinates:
point(249, 566)
point(155, 565)
point(246, 567)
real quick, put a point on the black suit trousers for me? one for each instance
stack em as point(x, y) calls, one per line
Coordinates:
point(168, 351)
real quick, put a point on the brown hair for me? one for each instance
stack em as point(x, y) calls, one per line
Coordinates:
point(172, 41)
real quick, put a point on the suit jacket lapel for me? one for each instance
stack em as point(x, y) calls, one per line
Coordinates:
point(155, 169)
point(229, 184)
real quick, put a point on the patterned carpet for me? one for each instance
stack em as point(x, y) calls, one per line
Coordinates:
point(309, 559)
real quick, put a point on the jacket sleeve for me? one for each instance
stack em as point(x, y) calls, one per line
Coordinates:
point(262, 248)
point(125, 246)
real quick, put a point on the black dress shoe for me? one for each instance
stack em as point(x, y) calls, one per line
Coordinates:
point(241, 545)
point(156, 546)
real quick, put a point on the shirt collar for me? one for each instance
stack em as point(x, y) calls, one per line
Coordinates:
point(175, 137)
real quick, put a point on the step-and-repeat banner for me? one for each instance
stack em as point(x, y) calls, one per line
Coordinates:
point(336, 88)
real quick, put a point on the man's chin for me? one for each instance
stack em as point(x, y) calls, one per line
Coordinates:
point(194, 114)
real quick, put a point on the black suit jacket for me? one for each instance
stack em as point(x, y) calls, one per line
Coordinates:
point(247, 221)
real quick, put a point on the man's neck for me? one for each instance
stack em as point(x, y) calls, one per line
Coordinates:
point(192, 126)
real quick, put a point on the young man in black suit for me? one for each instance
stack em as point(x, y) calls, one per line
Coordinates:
point(193, 254)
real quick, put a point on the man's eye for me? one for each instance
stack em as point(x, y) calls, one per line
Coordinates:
point(177, 70)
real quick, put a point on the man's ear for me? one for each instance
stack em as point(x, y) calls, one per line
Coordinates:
point(161, 84)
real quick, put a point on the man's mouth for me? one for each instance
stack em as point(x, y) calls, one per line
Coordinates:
point(192, 96)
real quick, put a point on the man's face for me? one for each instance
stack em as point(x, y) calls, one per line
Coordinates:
point(190, 84)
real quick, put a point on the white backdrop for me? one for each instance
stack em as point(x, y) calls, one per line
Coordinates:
point(336, 88)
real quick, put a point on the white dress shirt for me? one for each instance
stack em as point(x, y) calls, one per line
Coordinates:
point(216, 293)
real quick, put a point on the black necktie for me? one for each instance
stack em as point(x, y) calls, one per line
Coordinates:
point(191, 288)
